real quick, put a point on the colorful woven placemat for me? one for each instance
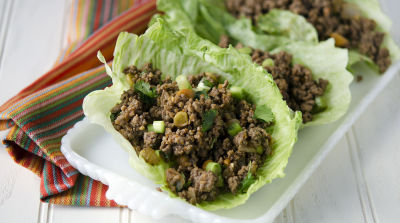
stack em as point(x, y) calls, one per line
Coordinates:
point(42, 113)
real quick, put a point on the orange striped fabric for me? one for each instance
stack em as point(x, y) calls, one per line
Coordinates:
point(41, 114)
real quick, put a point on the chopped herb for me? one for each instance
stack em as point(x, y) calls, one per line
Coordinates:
point(187, 184)
point(208, 120)
point(198, 93)
point(147, 94)
point(145, 89)
point(264, 113)
point(247, 182)
point(207, 83)
point(213, 142)
point(114, 116)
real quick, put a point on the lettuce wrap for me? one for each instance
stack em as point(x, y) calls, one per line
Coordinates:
point(175, 53)
point(210, 20)
point(281, 26)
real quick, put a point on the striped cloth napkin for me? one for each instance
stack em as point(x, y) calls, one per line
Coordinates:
point(41, 114)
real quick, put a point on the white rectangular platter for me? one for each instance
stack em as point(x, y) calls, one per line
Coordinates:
point(94, 153)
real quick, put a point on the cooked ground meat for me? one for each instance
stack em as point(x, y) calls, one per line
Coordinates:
point(188, 147)
point(295, 82)
point(331, 18)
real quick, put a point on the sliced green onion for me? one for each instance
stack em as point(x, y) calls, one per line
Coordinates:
point(202, 87)
point(159, 126)
point(237, 92)
point(268, 62)
point(216, 169)
point(234, 128)
point(245, 50)
point(150, 128)
point(183, 82)
point(320, 102)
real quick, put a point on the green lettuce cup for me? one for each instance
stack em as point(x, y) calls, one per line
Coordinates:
point(282, 26)
point(175, 53)
point(287, 32)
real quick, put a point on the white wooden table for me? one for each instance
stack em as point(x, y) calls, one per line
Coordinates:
point(358, 182)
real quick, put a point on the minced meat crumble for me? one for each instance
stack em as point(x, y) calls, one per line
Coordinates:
point(331, 18)
point(210, 138)
point(295, 82)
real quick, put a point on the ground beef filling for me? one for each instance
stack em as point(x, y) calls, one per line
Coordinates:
point(331, 18)
point(188, 148)
point(295, 82)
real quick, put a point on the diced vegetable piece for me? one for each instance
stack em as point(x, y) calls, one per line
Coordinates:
point(216, 169)
point(227, 162)
point(268, 62)
point(150, 128)
point(320, 105)
point(204, 166)
point(150, 156)
point(189, 93)
point(212, 76)
point(247, 149)
point(340, 41)
point(183, 82)
point(181, 119)
point(237, 92)
point(129, 78)
point(202, 86)
point(245, 50)
point(234, 127)
point(159, 126)
point(259, 149)
point(208, 120)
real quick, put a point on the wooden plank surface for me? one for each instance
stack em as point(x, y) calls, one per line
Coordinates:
point(358, 182)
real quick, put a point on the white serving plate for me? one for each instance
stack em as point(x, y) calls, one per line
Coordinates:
point(91, 150)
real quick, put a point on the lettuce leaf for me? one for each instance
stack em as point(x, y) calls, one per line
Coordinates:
point(177, 53)
point(285, 23)
point(371, 9)
point(323, 59)
point(327, 62)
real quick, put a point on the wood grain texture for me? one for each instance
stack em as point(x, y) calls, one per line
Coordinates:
point(377, 138)
point(63, 214)
point(330, 195)
point(32, 43)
